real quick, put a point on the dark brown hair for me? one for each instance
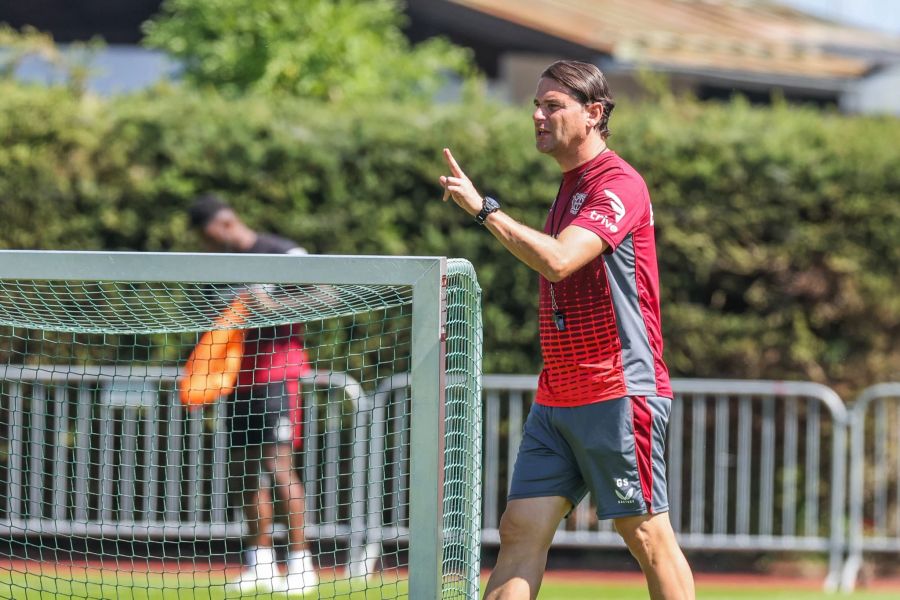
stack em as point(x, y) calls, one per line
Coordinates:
point(204, 208)
point(586, 84)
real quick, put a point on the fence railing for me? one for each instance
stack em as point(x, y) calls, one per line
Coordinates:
point(753, 465)
point(739, 476)
point(775, 451)
point(111, 452)
point(874, 490)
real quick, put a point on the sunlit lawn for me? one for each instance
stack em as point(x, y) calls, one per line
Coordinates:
point(194, 586)
point(173, 586)
point(581, 591)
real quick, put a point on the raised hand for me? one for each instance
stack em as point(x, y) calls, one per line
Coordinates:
point(459, 187)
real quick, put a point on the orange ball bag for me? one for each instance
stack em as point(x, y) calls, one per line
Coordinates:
point(212, 368)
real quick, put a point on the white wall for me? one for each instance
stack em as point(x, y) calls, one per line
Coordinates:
point(876, 94)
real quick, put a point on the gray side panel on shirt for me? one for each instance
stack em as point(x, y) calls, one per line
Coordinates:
point(637, 357)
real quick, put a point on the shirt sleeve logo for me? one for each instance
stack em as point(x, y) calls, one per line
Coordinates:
point(617, 205)
point(618, 210)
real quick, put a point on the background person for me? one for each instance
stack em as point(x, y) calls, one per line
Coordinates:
point(600, 415)
point(264, 417)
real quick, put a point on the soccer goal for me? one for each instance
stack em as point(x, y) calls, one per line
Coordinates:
point(148, 402)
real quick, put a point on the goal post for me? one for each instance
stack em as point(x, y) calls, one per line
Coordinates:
point(93, 347)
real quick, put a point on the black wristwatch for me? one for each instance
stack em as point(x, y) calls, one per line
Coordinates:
point(490, 206)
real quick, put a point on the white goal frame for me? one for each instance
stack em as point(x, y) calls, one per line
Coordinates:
point(427, 278)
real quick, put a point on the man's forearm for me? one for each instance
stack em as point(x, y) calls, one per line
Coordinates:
point(536, 249)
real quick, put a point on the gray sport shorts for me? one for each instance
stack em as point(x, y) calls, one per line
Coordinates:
point(615, 449)
point(260, 415)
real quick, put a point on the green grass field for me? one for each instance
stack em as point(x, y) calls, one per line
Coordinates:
point(191, 586)
point(171, 586)
point(582, 591)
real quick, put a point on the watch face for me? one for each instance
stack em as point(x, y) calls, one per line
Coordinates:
point(490, 205)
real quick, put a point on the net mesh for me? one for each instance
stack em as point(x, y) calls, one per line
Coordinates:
point(121, 478)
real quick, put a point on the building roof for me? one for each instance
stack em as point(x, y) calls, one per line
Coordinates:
point(754, 37)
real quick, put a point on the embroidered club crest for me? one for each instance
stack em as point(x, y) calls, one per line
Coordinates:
point(577, 200)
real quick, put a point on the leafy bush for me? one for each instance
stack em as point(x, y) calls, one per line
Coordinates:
point(776, 225)
point(777, 229)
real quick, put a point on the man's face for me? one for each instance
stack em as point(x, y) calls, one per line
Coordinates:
point(218, 232)
point(560, 121)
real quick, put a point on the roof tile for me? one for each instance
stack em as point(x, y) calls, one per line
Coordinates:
point(734, 35)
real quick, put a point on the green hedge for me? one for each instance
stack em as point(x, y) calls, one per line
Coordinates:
point(776, 225)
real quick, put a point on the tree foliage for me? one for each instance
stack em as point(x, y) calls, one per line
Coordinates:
point(323, 49)
point(777, 226)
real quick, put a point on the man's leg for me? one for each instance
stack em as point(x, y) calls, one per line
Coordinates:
point(256, 499)
point(526, 531)
point(302, 575)
point(290, 491)
point(260, 514)
point(651, 540)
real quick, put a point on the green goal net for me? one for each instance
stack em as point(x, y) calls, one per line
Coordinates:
point(215, 426)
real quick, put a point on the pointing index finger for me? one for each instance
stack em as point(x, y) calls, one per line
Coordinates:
point(454, 166)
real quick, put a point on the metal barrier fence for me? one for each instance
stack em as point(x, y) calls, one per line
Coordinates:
point(739, 476)
point(753, 465)
point(110, 452)
point(874, 491)
point(462, 470)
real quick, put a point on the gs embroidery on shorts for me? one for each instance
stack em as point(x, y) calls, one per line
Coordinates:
point(624, 491)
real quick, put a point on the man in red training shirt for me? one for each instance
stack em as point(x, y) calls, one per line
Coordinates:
point(599, 419)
